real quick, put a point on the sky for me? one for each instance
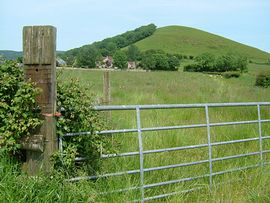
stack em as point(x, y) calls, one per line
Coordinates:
point(81, 22)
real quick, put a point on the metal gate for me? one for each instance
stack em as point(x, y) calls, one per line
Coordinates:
point(208, 125)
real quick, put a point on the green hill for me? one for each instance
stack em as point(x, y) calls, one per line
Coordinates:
point(10, 55)
point(192, 42)
point(13, 55)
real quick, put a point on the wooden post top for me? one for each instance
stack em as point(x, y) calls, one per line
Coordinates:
point(39, 58)
point(39, 45)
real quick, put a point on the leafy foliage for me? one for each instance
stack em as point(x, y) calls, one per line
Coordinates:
point(207, 62)
point(133, 53)
point(107, 47)
point(263, 79)
point(120, 59)
point(87, 58)
point(18, 117)
point(78, 116)
point(159, 60)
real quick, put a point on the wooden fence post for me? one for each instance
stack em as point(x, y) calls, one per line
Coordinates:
point(107, 92)
point(39, 58)
point(106, 88)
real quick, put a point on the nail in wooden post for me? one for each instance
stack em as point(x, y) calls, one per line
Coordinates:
point(39, 57)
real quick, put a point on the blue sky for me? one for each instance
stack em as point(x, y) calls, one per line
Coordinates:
point(81, 22)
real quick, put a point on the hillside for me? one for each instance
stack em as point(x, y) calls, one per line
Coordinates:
point(13, 55)
point(87, 55)
point(192, 42)
point(10, 55)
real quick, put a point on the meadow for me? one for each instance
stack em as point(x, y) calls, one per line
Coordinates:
point(128, 87)
point(183, 88)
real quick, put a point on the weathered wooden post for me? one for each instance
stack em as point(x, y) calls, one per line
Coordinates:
point(39, 58)
point(106, 88)
point(107, 91)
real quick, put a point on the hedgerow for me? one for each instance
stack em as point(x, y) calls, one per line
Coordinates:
point(207, 62)
point(263, 79)
point(78, 116)
point(18, 109)
point(20, 117)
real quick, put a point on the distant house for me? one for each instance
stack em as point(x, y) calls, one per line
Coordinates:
point(106, 62)
point(131, 65)
point(60, 62)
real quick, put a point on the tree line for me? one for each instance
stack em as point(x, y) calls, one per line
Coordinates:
point(88, 55)
point(148, 60)
point(207, 62)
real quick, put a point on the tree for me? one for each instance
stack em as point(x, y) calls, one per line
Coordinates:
point(224, 63)
point(173, 61)
point(120, 59)
point(148, 62)
point(107, 47)
point(242, 63)
point(133, 53)
point(161, 62)
point(87, 57)
point(206, 61)
point(19, 59)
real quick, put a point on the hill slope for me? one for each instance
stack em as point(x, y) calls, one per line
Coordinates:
point(190, 41)
point(10, 55)
point(13, 55)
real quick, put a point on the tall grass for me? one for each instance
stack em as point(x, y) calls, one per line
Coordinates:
point(17, 187)
point(181, 87)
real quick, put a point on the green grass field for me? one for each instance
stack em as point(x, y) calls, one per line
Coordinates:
point(174, 88)
point(165, 88)
point(190, 41)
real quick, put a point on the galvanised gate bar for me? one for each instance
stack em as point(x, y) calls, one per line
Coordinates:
point(141, 152)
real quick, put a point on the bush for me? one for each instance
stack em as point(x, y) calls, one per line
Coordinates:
point(18, 115)
point(78, 116)
point(120, 59)
point(263, 79)
point(159, 60)
point(192, 68)
point(232, 74)
point(207, 62)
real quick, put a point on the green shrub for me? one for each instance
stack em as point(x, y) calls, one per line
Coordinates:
point(18, 115)
point(159, 60)
point(232, 74)
point(192, 68)
point(263, 79)
point(78, 116)
point(207, 62)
